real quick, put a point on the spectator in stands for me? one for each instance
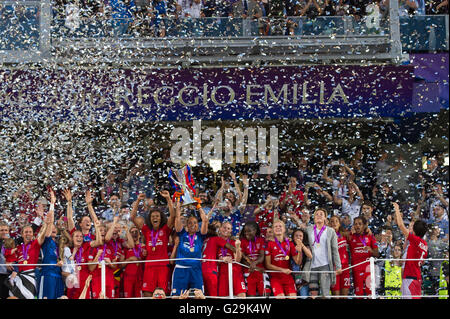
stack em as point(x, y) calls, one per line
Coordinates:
point(436, 7)
point(352, 204)
point(440, 220)
point(122, 12)
point(138, 180)
point(292, 196)
point(114, 204)
point(382, 198)
point(110, 187)
point(315, 196)
point(342, 176)
point(367, 209)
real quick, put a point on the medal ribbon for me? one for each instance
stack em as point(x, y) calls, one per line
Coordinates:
point(281, 247)
point(154, 238)
point(103, 254)
point(138, 254)
point(362, 239)
point(317, 236)
point(224, 250)
point(25, 251)
point(78, 255)
point(191, 240)
point(250, 247)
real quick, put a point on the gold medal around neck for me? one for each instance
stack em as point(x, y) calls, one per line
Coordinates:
point(153, 248)
point(287, 257)
point(25, 262)
point(79, 267)
point(191, 249)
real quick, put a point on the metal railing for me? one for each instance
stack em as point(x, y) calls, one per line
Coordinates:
point(372, 261)
point(30, 32)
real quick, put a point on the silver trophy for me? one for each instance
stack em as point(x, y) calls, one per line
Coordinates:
point(179, 182)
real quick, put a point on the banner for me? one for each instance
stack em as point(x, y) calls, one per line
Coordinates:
point(209, 94)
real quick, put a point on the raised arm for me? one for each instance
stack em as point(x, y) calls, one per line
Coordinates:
point(89, 200)
point(399, 220)
point(134, 209)
point(98, 236)
point(110, 231)
point(245, 183)
point(205, 221)
point(69, 211)
point(236, 186)
point(171, 219)
point(325, 176)
point(178, 223)
point(336, 199)
point(358, 191)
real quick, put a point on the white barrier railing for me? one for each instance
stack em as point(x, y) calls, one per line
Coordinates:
point(371, 262)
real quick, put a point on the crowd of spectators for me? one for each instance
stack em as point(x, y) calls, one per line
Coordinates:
point(152, 18)
point(117, 216)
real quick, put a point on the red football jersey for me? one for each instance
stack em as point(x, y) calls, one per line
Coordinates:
point(157, 248)
point(417, 248)
point(357, 244)
point(134, 269)
point(28, 254)
point(278, 257)
point(108, 252)
point(224, 252)
point(343, 251)
point(263, 219)
point(10, 256)
point(211, 246)
point(298, 194)
point(252, 249)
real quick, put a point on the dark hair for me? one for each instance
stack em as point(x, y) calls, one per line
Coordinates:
point(162, 215)
point(322, 209)
point(253, 224)
point(420, 228)
point(362, 218)
point(367, 203)
point(305, 236)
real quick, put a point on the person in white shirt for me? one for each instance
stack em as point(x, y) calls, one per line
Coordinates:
point(351, 205)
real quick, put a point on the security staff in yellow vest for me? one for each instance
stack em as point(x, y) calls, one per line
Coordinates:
point(393, 274)
point(443, 281)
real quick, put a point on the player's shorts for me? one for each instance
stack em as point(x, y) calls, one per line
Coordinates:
point(184, 278)
point(132, 285)
point(342, 280)
point(238, 281)
point(255, 283)
point(96, 286)
point(282, 284)
point(411, 288)
point(155, 276)
point(210, 280)
point(51, 287)
point(360, 275)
